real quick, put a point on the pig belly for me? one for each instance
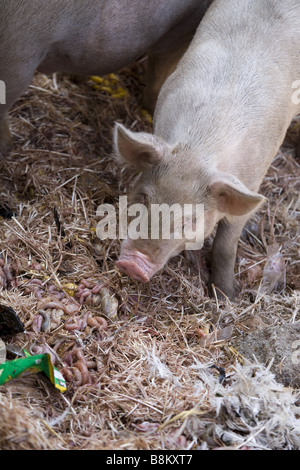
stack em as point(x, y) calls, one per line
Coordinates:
point(91, 65)
point(88, 37)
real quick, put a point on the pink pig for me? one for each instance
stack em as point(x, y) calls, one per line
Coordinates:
point(220, 119)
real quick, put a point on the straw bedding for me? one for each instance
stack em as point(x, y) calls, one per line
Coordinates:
point(147, 366)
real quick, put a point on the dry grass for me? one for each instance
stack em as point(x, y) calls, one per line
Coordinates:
point(148, 380)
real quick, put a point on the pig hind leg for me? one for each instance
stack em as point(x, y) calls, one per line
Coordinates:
point(298, 148)
point(162, 61)
point(5, 137)
point(224, 256)
point(16, 81)
point(167, 52)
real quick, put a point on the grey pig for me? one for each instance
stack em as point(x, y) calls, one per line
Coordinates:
point(84, 37)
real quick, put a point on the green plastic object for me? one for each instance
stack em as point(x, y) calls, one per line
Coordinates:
point(32, 364)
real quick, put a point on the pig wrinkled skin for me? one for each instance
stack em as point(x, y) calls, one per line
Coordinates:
point(220, 119)
point(88, 37)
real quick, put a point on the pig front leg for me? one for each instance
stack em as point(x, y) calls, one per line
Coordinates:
point(162, 60)
point(224, 256)
point(298, 148)
point(164, 56)
point(16, 72)
point(5, 137)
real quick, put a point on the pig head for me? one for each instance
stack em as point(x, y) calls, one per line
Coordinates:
point(167, 176)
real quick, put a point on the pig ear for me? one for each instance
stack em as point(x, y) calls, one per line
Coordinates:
point(138, 148)
point(232, 197)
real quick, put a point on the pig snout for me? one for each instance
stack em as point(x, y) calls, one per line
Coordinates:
point(136, 265)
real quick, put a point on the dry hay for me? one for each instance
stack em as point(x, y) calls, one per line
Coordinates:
point(154, 378)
